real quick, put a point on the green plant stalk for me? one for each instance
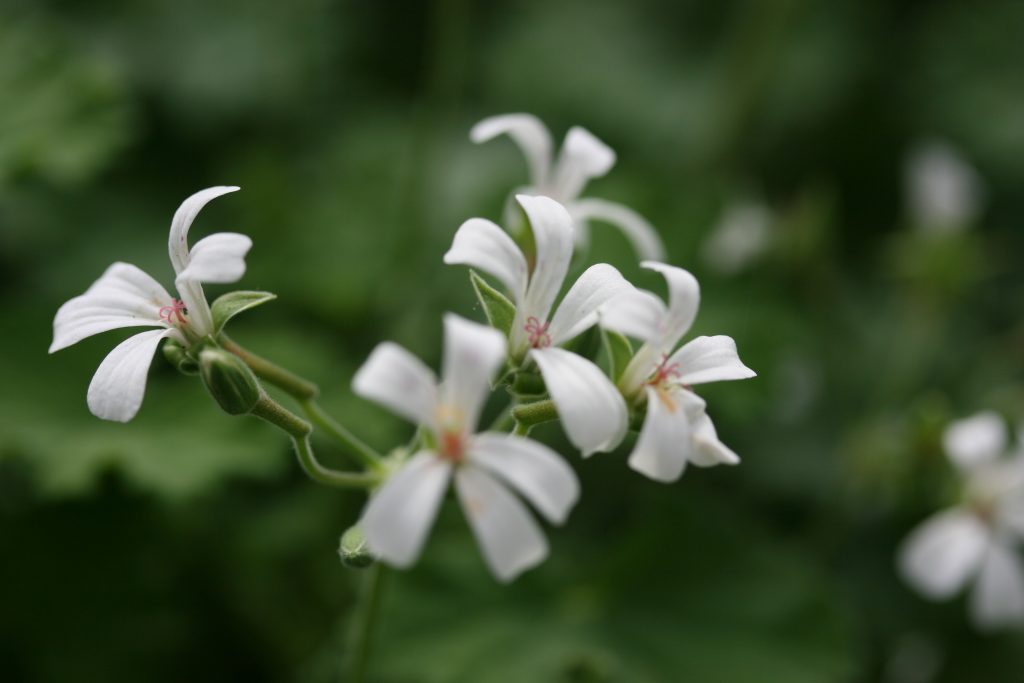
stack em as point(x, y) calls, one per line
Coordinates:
point(301, 389)
point(356, 446)
point(325, 475)
point(364, 630)
point(532, 414)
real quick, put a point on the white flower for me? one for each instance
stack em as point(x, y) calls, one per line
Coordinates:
point(977, 539)
point(742, 234)
point(125, 296)
point(677, 429)
point(581, 158)
point(590, 408)
point(487, 467)
point(944, 193)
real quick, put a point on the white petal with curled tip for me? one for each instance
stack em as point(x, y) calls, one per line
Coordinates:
point(552, 233)
point(641, 234)
point(943, 553)
point(683, 301)
point(635, 313)
point(399, 515)
point(709, 359)
point(509, 537)
point(483, 245)
point(528, 132)
point(578, 310)
point(583, 157)
point(589, 406)
point(177, 245)
point(708, 450)
point(117, 388)
point(975, 440)
point(124, 296)
point(398, 380)
point(473, 353)
point(663, 447)
point(997, 600)
point(219, 258)
point(534, 470)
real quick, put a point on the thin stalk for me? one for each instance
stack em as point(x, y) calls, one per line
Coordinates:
point(365, 627)
point(300, 388)
point(326, 475)
point(353, 444)
point(531, 414)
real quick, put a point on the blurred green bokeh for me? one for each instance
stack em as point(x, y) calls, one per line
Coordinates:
point(188, 546)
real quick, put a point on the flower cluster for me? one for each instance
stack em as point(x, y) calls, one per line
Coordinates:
point(531, 352)
point(976, 540)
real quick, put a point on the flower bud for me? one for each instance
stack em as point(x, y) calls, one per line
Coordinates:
point(229, 380)
point(353, 550)
point(177, 356)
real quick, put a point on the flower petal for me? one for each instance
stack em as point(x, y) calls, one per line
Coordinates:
point(578, 310)
point(583, 157)
point(998, 597)
point(509, 537)
point(398, 380)
point(944, 552)
point(635, 313)
point(664, 443)
point(552, 233)
point(528, 132)
point(534, 470)
point(473, 353)
point(683, 301)
point(119, 384)
point(975, 440)
point(399, 515)
point(707, 450)
point(641, 234)
point(124, 296)
point(177, 245)
point(710, 359)
point(591, 409)
point(219, 258)
point(483, 245)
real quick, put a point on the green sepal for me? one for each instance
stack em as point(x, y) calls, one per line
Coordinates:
point(231, 304)
point(229, 381)
point(619, 351)
point(353, 550)
point(499, 310)
point(178, 356)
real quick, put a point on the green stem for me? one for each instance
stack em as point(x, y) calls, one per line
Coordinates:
point(350, 441)
point(532, 414)
point(521, 429)
point(300, 388)
point(369, 613)
point(326, 475)
point(273, 412)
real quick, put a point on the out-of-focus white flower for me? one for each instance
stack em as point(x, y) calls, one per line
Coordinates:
point(590, 408)
point(944, 193)
point(742, 234)
point(677, 428)
point(581, 158)
point(487, 467)
point(976, 540)
point(125, 296)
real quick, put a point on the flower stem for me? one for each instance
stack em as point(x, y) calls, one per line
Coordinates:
point(356, 446)
point(300, 388)
point(326, 475)
point(363, 631)
point(532, 414)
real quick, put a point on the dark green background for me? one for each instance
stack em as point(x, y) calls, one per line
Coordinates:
point(188, 546)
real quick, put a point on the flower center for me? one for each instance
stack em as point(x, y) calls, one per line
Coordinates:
point(452, 446)
point(538, 333)
point(663, 372)
point(175, 310)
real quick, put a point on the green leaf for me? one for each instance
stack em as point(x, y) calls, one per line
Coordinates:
point(619, 351)
point(231, 304)
point(499, 310)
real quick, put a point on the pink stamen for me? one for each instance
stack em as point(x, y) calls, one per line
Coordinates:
point(176, 309)
point(539, 337)
point(664, 371)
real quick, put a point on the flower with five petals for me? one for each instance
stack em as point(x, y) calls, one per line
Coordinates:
point(125, 296)
point(489, 468)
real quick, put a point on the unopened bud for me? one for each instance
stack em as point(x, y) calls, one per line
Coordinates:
point(229, 380)
point(177, 356)
point(354, 551)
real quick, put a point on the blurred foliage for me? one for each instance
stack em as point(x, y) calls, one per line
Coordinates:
point(186, 545)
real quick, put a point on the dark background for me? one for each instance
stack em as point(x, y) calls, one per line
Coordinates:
point(187, 545)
